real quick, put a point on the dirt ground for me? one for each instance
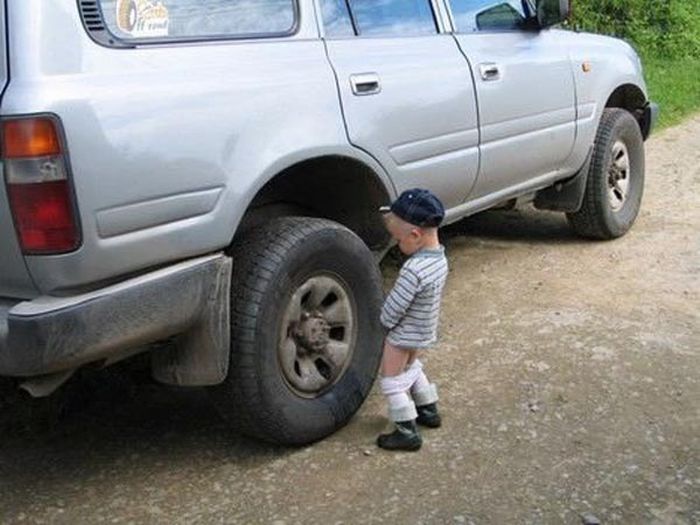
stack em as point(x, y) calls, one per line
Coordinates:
point(570, 380)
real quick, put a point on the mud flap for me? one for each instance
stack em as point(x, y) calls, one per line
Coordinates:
point(200, 356)
point(567, 195)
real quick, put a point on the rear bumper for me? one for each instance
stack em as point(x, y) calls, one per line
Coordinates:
point(51, 334)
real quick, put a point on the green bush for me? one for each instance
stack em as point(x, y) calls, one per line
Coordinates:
point(673, 84)
point(657, 28)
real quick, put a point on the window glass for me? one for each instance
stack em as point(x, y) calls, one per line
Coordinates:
point(487, 15)
point(182, 19)
point(336, 18)
point(393, 17)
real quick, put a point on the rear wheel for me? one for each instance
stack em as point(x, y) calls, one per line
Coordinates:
point(615, 181)
point(305, 335)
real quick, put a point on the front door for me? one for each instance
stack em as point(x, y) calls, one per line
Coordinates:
point(407, 97)
point(526, 93)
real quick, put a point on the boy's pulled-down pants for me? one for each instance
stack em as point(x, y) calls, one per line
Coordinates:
point(402, 406)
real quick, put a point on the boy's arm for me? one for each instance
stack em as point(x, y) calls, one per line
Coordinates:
point(400, 298)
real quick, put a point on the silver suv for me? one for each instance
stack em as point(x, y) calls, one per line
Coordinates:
point(200, 179)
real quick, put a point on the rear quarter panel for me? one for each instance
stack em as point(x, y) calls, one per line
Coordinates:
point(14, 277)
point(168, 144)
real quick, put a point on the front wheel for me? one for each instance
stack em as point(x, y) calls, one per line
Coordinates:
point(305, 336)
point(615, 181)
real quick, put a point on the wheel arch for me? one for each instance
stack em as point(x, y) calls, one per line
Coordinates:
point(632, 98)
point(334, 186)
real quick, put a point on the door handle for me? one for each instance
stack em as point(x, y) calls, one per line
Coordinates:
point(365, 84)
point(489, 71)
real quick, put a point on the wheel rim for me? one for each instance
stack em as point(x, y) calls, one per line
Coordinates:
point(619, 176)
point(317, 335)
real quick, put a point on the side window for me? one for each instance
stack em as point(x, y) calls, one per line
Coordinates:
point(336, 18)
point(187, 19)
point(393, 17)
point(488, 15)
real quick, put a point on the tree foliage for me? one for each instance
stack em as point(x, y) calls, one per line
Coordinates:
point(657, 28)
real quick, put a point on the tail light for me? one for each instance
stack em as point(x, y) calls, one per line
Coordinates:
point(38, 186)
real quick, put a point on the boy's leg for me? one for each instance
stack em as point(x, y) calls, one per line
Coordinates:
point(425, 397)
point(395, 383)
point(395, 360)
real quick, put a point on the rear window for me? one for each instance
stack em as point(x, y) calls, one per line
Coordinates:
point(197, 19)
point(393, 17)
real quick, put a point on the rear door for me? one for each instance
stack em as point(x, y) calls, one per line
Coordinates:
point(14, 277)
point(526, 93)
point(407, 97)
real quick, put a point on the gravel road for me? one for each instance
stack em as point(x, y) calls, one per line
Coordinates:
point(570, 381)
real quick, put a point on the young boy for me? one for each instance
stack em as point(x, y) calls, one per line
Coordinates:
point(410, 315)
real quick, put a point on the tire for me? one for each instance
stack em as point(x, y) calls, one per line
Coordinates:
point(275, 387)
point(613, 195)
point(127, 14)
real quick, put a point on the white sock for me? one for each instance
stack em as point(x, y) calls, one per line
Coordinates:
point(398, 401)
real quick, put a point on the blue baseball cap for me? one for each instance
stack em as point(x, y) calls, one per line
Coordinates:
point(418, 207)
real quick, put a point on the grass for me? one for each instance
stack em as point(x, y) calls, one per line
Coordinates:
point(674, 84)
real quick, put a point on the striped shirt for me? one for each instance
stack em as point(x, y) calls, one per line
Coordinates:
point(412, 308)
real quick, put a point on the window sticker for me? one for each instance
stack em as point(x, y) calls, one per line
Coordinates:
point(142, 18)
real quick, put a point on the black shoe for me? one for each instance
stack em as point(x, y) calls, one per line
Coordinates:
point(428, 416)
point(405, 437)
